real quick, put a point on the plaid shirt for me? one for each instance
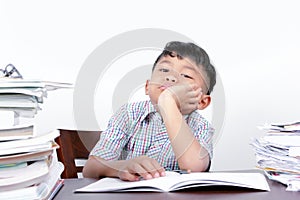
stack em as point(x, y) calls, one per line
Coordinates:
point(137, 129)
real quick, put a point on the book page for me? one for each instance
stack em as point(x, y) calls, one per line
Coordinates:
point(247, 180)
point(161, 184)
point(21, 83)
point(174, 181)
point(286, 141)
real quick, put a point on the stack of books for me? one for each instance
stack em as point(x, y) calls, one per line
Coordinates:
point(29, 168)
point(24, 98)
point(278, 153)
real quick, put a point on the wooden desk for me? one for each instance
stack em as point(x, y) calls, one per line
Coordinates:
point(277, 192)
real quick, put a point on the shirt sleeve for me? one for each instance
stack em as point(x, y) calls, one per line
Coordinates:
point(203, 131)
point(114, 138)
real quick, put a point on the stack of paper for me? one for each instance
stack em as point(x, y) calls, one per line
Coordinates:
point(23, 98)
point(28, 169)
point(278, 153)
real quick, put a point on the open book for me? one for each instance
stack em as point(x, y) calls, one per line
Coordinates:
point(174, 181)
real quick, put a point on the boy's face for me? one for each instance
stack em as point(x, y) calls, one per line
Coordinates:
point(170, 71)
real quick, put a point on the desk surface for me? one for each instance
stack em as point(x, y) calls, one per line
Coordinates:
point(277, 192)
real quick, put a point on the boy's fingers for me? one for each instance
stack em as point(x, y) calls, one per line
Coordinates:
point(161, 171)
point(127, 176)
point(146, 175)
point(142, 172)
point(153, 169)
point(194, 86)
point(194, 94)
point(197, 92)
point(158, 170)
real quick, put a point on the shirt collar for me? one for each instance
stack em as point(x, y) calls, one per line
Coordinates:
point(150, 110)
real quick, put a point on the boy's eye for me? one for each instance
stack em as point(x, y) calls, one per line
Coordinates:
point(163, 70)
point(186, 76)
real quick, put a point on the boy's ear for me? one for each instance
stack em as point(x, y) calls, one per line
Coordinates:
point(147, 87)
point(204, 102)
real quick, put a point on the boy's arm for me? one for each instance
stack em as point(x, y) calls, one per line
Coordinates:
point(96, 167)
point(102, 160)
point(130, 170)
point(188, 151)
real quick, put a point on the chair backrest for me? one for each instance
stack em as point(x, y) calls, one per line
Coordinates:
point(75, 144)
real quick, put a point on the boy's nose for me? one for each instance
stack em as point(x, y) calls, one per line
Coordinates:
point(171, 78)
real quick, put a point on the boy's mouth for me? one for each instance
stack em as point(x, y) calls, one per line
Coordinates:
point(165, 86)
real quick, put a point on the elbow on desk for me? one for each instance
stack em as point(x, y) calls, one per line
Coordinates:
point(90, 169)
point(202, 166)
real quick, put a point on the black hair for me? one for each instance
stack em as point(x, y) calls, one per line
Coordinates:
point(195, 54)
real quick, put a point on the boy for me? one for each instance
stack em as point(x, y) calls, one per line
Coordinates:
point(144, 139)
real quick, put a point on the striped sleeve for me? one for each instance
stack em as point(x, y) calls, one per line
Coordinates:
point(113, 139)
point(203, 131)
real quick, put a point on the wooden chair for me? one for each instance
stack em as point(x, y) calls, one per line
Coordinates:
point(74, 145)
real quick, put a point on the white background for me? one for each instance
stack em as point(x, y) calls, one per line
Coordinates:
point(255, 46)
